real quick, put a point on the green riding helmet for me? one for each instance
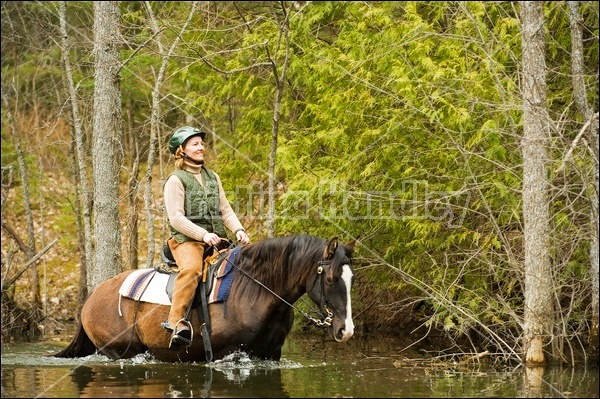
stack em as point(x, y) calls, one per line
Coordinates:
point(181, 135)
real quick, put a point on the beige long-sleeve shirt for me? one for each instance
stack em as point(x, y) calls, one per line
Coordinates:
point(174, 196)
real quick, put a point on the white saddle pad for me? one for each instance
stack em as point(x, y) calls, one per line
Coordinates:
point(146, 285)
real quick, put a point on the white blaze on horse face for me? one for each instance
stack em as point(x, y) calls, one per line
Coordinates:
point(347, 277)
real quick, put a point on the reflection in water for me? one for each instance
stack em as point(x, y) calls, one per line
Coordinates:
point(534, 377)
point(229, 377)
point(309, 368)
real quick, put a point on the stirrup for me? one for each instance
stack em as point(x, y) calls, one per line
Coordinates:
point(181, 335)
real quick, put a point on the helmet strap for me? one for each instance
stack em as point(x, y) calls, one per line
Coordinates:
point(186, 156)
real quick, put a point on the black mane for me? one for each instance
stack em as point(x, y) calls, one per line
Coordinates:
point(279, 263)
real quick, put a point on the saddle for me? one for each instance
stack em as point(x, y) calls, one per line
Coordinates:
point(213, 259)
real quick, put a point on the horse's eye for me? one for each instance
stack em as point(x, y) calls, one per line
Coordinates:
point(329, 280)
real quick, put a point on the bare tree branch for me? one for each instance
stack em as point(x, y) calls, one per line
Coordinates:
point(15, 237)
point(574, 144)
point(31, 261)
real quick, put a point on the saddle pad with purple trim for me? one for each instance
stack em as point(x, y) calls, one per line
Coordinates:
point(223, 278)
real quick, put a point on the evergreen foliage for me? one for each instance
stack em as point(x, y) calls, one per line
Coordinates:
point(400, 124)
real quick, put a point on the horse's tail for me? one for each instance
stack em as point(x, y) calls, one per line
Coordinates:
point(80, 346)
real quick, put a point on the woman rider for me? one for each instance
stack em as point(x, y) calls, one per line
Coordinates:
point(198, 213)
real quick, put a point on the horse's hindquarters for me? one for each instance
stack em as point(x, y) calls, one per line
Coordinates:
point(106, 328)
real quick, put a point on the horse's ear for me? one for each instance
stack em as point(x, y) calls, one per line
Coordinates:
point(330, 248)
point(352, 244)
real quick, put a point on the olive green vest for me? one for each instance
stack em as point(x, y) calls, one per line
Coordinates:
point(201, 204)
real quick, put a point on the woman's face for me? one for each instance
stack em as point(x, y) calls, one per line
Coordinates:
point(194, 148)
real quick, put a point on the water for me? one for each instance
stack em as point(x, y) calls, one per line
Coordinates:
point(310, 367)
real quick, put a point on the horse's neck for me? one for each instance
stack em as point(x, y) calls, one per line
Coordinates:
point(291, 287)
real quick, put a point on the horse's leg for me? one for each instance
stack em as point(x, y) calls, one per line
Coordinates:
point(156, 338)
point(272, 335)
point(237, 326)
point(110, 332)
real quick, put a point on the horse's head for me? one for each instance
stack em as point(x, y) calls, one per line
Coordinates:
point(331, 290)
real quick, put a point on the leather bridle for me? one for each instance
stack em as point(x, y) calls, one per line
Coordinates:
point(328, 317)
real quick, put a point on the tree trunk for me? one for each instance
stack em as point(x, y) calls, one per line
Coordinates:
point(36, 303)
point(84, 201)
point(28, 249)
point(107, 143)
point(538, 312)
point(581, 99)
point(279, 86)
point(132, 199)
point(155, 122)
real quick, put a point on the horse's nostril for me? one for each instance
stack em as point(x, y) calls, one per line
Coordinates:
point(343, 334)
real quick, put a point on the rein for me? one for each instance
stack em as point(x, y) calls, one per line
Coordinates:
point(326, 322)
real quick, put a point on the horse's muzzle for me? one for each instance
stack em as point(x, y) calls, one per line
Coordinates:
point(344, 332)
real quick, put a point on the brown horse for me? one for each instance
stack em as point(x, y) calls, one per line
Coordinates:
point(256, 318)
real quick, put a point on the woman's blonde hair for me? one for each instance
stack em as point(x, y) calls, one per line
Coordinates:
point(179, 158)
